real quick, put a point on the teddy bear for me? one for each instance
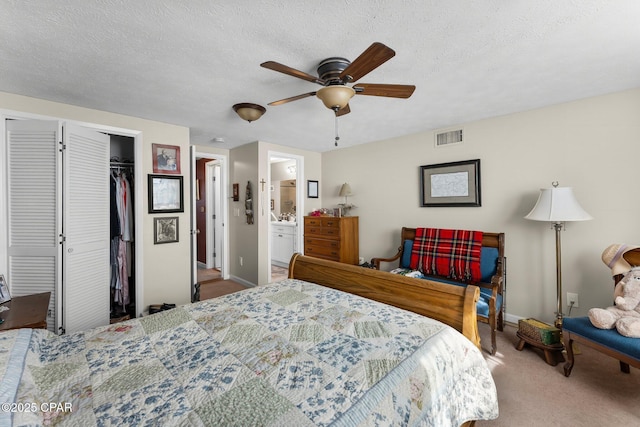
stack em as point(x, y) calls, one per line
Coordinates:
point(625, 315)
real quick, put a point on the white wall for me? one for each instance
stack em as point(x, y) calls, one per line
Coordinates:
point(166, 268)
point(592, 145)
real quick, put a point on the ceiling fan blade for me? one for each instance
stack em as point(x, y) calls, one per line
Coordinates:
point(292, 98)
point(391, 91)
point(375, 55)
point(276, 66)
point(344, 110)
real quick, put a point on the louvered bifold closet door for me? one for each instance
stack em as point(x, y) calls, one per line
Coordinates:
point(34, 223)
point(86, 228)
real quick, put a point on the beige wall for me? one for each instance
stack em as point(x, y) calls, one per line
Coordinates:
point(592, 145)
point(165, 268)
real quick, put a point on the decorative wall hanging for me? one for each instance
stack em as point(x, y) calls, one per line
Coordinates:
point(165, 194)
point(236, 192)
point(166, 159)
point(165, 230)
point(248, 204)
point(312, 189)
point(450, 184)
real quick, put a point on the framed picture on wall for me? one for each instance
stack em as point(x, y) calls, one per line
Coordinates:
point(312, 189)
point(166, 159)
point(165, 230)
point(450, 184)
point(165, 194)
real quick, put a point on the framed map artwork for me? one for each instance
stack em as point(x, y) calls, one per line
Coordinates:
point(450, 184)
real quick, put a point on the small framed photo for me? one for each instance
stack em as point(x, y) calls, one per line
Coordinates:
point(450, 184)
point(166, 159)
point(165, 230)
point(236, 192)
point(165, 194)
point(4, 290)
point(312, 189)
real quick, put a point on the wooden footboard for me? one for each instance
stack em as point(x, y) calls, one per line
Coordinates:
point(453, 305)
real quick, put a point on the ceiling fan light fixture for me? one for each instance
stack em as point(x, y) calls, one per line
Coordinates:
point(335, 97)
point(248, 111)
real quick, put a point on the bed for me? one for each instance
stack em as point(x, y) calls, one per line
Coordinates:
point(299, 352)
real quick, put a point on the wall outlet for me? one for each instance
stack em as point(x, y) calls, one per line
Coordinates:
point(241, 262)
point(572, 298)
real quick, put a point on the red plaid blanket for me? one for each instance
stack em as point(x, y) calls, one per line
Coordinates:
point(451, 253)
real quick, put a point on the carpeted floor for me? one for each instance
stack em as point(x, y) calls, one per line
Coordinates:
point(532, 393)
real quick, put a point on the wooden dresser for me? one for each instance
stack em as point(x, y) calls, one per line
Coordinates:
point(331, 238)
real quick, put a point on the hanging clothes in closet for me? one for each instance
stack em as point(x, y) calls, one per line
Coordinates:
point(121, 236)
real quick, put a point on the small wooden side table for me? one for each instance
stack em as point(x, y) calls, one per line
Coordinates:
point(552, 353)
point(28, 311)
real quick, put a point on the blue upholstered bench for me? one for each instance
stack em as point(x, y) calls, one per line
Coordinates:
point(609, 342)
point(490, 307)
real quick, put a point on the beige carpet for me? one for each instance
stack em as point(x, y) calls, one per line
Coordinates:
point(532, 393)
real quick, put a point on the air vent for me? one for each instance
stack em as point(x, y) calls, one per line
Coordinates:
point(449, 138)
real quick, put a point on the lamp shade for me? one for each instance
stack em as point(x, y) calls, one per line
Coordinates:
point(335, 96)
point(248, 111)
point(345, 190)
point(557, 204)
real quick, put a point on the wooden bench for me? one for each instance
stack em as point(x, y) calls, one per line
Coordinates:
point(609, 342)
point(490, 306)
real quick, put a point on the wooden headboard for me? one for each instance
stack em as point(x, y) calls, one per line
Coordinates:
point(453, 305)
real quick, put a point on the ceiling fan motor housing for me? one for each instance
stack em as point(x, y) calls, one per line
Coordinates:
point(329, 69)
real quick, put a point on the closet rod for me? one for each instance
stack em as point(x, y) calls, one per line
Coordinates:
point(121, 164)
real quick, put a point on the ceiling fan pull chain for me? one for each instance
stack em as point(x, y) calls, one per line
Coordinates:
point(337, 136)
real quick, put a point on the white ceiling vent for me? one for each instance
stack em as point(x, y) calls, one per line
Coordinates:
point(450, 137)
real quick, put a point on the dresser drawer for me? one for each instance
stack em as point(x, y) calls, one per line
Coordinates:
point(312, 221)
point(327, 243)
point(322, 252)
point(313, 230)
point(330, 222)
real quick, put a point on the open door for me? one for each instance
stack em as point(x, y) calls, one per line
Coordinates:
point(86, 247)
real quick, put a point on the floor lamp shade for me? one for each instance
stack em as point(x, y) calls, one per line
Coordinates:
point(558, 205)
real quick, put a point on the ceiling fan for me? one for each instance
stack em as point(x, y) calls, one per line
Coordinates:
point(335, 73)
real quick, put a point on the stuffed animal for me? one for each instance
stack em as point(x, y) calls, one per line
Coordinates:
point(625, 315)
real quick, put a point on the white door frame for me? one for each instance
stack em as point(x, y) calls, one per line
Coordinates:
point(222, 161)
point(299, 200)
point(214, 227)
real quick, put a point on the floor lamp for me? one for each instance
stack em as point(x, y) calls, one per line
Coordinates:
point(558, 205)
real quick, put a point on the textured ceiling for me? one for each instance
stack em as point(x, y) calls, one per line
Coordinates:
point(187, 62)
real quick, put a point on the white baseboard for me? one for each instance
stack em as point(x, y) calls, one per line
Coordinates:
point(242, 281)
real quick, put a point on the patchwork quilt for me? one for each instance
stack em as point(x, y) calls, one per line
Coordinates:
point(288, 354)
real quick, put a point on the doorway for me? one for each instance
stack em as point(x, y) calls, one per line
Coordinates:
point(209, 233)
point(286, 194)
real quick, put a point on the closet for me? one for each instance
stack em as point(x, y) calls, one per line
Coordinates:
point(57, 195)
point(121, 225)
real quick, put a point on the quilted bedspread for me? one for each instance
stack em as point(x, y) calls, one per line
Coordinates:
point(287, 354)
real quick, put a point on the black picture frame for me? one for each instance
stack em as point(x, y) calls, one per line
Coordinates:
point(166, 230)
point(312, 189)
point(454, 184)
point(166, 193)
